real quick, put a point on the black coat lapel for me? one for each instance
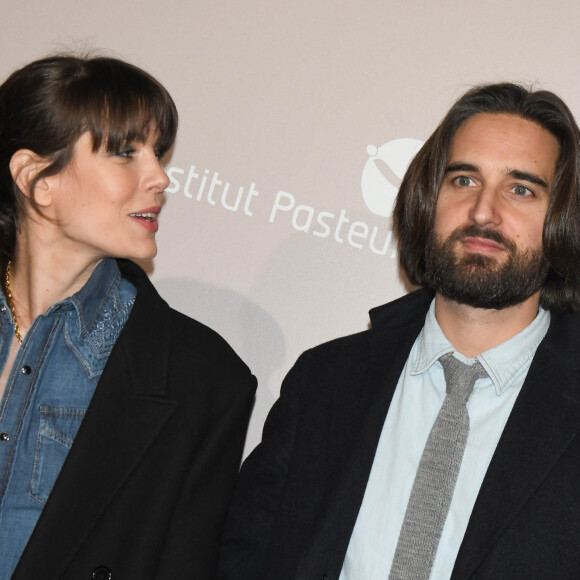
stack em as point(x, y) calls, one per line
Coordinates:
point(396, 326)
point(544, 420)
point(124, 417)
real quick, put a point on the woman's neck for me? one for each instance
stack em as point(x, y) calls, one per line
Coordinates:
point(43, 276)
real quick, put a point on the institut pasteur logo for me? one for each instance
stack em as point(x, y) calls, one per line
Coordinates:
point(380, 182)
point(383, 171)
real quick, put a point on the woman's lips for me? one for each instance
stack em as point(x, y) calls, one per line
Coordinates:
point(147, 218)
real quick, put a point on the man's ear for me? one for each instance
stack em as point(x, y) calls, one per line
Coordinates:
point(25, 165)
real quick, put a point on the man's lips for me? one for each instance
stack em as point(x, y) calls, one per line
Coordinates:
point(482, 245)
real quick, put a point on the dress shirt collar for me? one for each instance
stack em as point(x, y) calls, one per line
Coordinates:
point(503, 363)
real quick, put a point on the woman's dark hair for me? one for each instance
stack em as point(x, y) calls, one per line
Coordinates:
point(48, 104)
point(414, 213)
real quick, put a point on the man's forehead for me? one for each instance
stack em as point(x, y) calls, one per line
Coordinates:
point(510, 140)
point(486, 123)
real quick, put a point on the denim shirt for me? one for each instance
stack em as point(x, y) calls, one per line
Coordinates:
point(55, 374)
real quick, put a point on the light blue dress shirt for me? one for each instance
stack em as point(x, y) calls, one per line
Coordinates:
point(49, 389)
point(414, 408)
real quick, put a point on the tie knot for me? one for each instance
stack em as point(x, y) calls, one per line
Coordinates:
point(460, 377)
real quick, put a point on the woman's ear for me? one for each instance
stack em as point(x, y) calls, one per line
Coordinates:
point(25, 165)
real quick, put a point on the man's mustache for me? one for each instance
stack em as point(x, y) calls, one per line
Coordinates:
point(475, 231)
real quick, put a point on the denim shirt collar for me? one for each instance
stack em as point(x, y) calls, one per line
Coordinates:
point(503, 363)
point(94, 316)
point(90, 300)
point(101, 314)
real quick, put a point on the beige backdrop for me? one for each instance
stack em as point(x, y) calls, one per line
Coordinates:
point(297, 121)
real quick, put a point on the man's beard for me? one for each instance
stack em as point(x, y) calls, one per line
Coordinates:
point(478, 280)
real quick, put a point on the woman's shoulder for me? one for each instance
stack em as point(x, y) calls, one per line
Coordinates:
point(200, 340)
point(192, 343)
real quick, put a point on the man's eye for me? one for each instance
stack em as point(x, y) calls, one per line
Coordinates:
point(463, 181)
point(520, 190)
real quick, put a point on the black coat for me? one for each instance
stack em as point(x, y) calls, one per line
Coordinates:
point(145, 487)
point(299, 493)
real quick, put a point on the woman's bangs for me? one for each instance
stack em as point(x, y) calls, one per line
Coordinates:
point(130, 117)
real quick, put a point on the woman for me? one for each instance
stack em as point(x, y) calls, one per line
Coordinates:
point(122, 421)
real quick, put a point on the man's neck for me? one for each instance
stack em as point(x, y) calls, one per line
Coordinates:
point(474, 330)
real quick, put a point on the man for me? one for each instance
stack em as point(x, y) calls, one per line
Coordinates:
point(488, 222)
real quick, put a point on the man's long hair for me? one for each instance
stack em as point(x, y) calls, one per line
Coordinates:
point(414, 213)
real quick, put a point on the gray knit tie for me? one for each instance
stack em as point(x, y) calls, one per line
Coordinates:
point(436, 475)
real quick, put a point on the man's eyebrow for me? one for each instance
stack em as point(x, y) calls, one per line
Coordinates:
point(525, 176)
point(452, 167)
point(516, 173)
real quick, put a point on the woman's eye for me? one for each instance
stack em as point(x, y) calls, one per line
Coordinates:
point(126, 152)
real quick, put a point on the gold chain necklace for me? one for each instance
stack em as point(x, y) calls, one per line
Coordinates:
point(10, 300)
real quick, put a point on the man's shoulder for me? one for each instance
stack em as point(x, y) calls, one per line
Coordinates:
point(562, 341)
point(403, 309)
point(402, 319)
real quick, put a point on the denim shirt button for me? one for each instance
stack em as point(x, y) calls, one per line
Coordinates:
point(4, 437)
point(26, 370)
